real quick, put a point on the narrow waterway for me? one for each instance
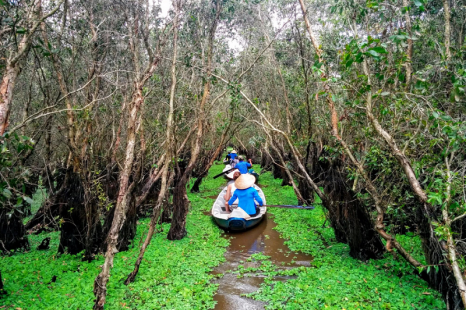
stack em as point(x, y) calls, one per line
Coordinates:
point(262, 238)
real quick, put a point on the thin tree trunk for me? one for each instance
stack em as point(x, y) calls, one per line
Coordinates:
point(125, 191)
point(287, 171)
point(180, 199)
point(447, 16)
point(6, 94)
point(451, 246)
point(409, 48)
point(168, 151)
point(118, 134)
point(379, 225)
point(12, 69)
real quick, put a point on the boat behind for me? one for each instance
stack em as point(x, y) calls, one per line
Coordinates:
point(238, 219)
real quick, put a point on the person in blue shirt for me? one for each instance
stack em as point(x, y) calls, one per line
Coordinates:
point(233, 155)
point(243, 166)
point(233, 159)
point(246, 194)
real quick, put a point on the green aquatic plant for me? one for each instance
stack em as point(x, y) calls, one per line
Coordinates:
point(335, 280)
point(174, 275)
point(177, 275)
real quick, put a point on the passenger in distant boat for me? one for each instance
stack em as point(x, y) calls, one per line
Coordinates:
point(233, 158)
point(231, 188)
point(227, 158)
point(243, 166)
point(246, 194)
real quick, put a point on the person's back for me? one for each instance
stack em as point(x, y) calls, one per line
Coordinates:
point(230, 189)
point(246, 194)
point(243, 166)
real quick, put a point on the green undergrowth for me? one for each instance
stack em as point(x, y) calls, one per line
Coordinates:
point(335, 280)
point(173, 274)
point(176, 275)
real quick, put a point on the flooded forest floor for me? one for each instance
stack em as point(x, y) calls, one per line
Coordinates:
point(290, 261)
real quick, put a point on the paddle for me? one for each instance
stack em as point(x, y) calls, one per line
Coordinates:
point(227, 171)
point(288, 207)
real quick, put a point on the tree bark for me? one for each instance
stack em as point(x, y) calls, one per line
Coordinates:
point(447, 16)
point(180, 198)
point(100, 284)
point(125, 191)
point(12, 64)
point(6, 93)
point(168, 151)
point(409, 48)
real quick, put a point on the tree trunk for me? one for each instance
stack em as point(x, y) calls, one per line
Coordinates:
point(12, 232)
point(123, 201)
point(81, 228)
point(6, 94)
point(168, 152)
point(180, 196)
point(409, 48)
point(214, 156)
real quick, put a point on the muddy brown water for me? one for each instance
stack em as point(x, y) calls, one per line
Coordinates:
point(260, 239)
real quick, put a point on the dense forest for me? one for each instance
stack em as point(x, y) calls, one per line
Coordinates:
point(117, 110)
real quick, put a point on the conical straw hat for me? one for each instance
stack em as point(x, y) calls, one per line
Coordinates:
point(245, 181)
point(233, 152)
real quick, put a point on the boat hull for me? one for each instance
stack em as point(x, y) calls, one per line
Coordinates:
point(237, 220)
point(237, 223)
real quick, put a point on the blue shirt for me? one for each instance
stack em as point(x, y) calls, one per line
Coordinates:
point(246, 199)
point(243, 166)
point(233, 156)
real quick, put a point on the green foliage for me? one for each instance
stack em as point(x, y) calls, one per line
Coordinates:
point(173, 275)
point(12, 184)
point(176, 275)
point(335, 280)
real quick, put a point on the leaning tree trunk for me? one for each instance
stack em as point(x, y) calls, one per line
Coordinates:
point(180, 197)
point(446, 280)
point(124, 199)
point(125, 192)
point(168, 153)
point(12, 68)
point(327, 201)
point(379, 206)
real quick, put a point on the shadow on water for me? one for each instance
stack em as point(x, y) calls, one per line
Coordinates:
point(260, 239)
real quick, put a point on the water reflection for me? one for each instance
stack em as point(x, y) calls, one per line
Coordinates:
point(260, 239)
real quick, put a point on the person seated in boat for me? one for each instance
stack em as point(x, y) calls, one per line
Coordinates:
point(251, 171)
point(227, 158)
point(246, 194)
point(231, 187)
point(233, 158)
point(243, 166)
